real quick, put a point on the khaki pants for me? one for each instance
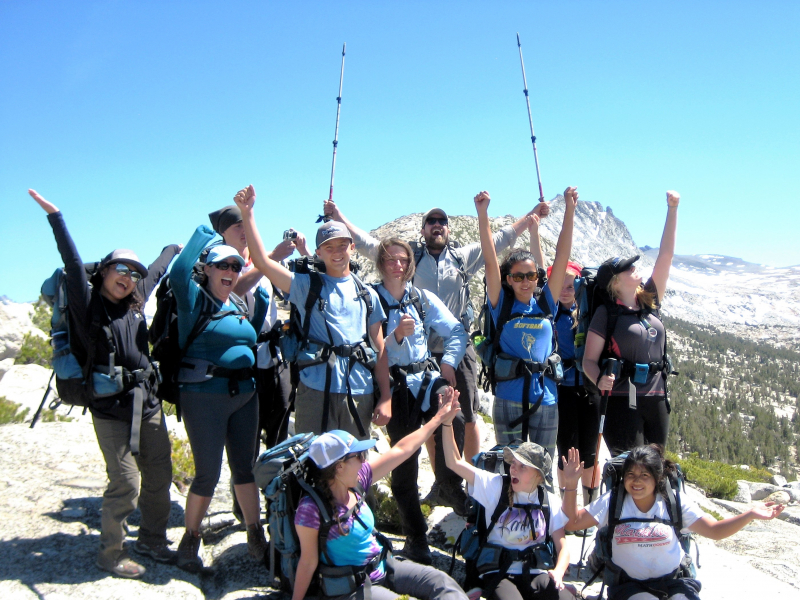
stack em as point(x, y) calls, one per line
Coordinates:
point(308, 405)
point(123, 493)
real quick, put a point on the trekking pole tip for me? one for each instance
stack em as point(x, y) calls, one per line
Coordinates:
point(344, 47)
point(518, 44)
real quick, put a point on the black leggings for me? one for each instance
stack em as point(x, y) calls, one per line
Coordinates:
point(578, 423)
point(626, 428)
point(541, 588)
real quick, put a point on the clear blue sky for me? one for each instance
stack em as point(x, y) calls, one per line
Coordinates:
point(139, 118)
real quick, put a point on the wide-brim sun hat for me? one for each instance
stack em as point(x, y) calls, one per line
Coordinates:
point(611, 267)
point(127, 257)
point(335, 445)
point(530, 455)
point(223, 252)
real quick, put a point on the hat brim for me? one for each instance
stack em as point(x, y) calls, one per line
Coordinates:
point(509, 455)
point(362, 445)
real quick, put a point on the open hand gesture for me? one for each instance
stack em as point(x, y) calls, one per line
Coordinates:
point(573, 467)
point(673, 198)
point(770, 510)
point(482, 201)
point(448, 405)
point(245, 198)
point(48, 207)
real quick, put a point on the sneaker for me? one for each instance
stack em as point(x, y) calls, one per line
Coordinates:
point(188, 558)
point(256, 542)
point(432, 499)
point(416, 549)
point(123, 567)
point(454, 497)
point(157, 551)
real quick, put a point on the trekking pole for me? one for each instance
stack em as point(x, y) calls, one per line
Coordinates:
point(327, 218)
point(44, 399)
point(612, 368)
point(530, 120)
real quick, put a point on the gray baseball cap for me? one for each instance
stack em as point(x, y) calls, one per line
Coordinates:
point(124, 256)
point(433, 211)
point(330, 231)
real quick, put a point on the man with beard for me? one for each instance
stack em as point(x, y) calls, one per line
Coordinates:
point(445, 269)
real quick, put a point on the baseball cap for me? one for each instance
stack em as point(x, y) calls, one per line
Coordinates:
point(573, 268)
point(611, 267)
point(335, 445)
point(330, 231)
point(221, 252)
point(124, 256)
point(433, 211)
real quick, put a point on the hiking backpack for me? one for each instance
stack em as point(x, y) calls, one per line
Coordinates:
point(71, 376)
point(419, 249)
point(164, 336)
point(282, 475)
point(613, 481)
point(497, 365)
point(481, 557)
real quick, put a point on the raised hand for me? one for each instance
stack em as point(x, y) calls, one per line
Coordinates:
point(283, 250)
point(542, 209)
point(48, 207)
point(329, 209)
point(448, 405)
point(482, 201)
point(532, 222)
point(573, 467)
point(571, 197)
point(673, 198)
point(245, 198)
point(300, 243)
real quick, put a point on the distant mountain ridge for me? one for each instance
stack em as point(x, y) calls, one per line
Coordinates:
point(757, 302)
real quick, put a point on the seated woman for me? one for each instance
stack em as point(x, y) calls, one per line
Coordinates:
point(523, 525)
point(525, 406)
point(411, 315)
point(647, 567)
point(628, 327)
point(343, 474)
point(217, 398)
point(115, 299)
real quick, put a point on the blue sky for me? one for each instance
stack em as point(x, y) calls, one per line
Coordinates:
point(137, 119)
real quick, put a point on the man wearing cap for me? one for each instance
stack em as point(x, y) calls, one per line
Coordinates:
point(342, 329)
point(445, 270)
point(273, 381)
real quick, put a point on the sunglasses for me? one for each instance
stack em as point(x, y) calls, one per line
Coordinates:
point(236, 267)
point(126, 271)
point(362, 456)
point(436, 220)
point(518, 277)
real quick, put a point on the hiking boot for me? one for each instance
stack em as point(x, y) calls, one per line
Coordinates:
point(256, 542)
point(188, 558)
point(416, 549)
point(454, 497)
point(122, 567)
point(157, 551)
point(432, 499)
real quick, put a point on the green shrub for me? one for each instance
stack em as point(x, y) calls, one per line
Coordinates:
point(10, 412)
point(182, 462)
point(717, 479)
point(35, 350)
point(41, 315)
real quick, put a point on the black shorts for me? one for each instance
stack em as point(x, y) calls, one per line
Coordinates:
point(578, 423)
point(467, 383)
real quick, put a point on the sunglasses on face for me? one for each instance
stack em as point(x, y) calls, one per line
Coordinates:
point(518, 277)
point(236, 267)
point(436, 220)
point(126, 271)
point(361, 456)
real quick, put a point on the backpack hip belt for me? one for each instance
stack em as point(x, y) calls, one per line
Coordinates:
point(512, 367)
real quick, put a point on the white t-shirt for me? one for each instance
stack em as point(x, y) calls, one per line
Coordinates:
point(509, 531)
point(264, 358)
point(645, 550)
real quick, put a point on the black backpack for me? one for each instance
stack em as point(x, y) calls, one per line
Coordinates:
point(481, 557)
point(499, 366)
point(164, 337)
point(600, 558)
point(298, 348)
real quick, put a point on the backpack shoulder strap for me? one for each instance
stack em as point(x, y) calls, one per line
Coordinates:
point(673, 497)
point(419, 251)
point(364, 294)
point(501, 507)
point(504, 316)
point(544, 503)
point(612, 315)
point(314, 293)
point(459, 263)
point(414, 296)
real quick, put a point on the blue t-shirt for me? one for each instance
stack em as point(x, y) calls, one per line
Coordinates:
point(346, 315)
point(528, 335)
point(414, 348)
point(358, 545)
point(566, 345)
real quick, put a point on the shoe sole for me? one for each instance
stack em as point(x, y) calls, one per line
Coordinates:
point(157, 557)
point(122, 574)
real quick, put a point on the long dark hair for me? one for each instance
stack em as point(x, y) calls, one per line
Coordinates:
point(512, 259)
point(652, 459)
point(321, 480)
point(132, 301)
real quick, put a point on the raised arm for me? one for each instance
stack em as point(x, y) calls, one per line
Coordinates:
point(279, 275)
point(452, 456)
point(156, 270)
point(493, 281)
point(667, 248)
point(365, 243)
point(573, 469)
point(564, 245)
point(385, 463)
point(536, 242)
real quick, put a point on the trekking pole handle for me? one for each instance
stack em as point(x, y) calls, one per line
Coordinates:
point(612, 367)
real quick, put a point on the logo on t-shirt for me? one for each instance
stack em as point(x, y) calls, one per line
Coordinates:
point(649, 533)
point(515, 527)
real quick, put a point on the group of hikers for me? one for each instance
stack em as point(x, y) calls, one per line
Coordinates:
point(396, 354)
